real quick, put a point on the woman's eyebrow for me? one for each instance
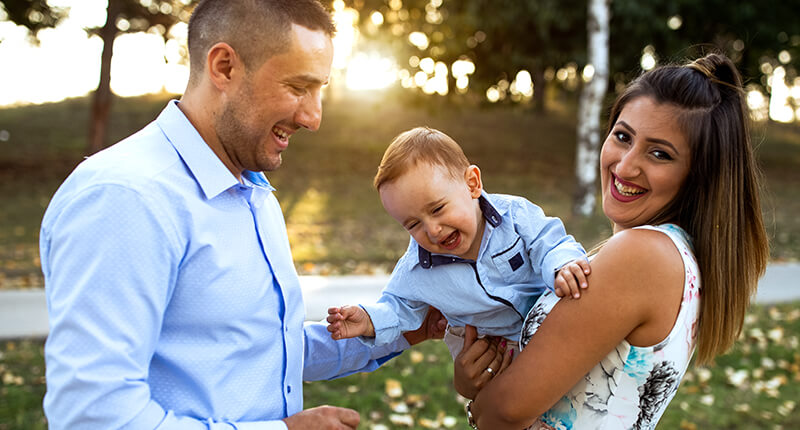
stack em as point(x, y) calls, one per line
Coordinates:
point(664, 142)
point(626, 125)
point(649, 139)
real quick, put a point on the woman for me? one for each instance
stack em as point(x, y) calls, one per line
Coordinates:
point(679, 184)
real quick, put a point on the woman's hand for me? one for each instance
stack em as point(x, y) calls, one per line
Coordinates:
point(478, 362)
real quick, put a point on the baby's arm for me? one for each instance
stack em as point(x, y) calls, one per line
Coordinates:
point(570, 277)
point(349, 321)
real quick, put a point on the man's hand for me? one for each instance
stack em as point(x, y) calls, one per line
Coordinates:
point(323, 418)
point(433, 327)
point(571, 278)
point(471, 366)
point(349, 321)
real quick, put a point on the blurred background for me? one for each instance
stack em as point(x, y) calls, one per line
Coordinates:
point(510, 80)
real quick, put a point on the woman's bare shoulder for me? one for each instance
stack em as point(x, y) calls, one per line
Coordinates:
point(639, 259)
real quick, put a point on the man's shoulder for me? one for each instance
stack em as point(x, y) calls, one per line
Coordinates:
point(144, 163)
point(133, 162)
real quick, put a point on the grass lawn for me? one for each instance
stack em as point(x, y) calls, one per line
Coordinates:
point(755, 386)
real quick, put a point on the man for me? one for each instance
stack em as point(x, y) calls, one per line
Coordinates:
point(172, 295)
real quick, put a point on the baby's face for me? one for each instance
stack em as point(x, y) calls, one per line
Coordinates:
point(439, 211)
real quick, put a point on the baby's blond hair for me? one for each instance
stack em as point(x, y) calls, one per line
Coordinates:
point(420, 145)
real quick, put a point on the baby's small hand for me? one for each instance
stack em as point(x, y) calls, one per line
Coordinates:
point(570, 277)
point(349, 321)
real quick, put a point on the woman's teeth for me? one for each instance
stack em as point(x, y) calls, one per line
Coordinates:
point(626, 190)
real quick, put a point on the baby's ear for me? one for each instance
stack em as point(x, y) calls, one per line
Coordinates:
point(473, 178)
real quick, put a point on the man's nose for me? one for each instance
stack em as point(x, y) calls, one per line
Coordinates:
point(309, 113)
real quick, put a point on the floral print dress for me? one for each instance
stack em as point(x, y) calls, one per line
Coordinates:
point(631, 387)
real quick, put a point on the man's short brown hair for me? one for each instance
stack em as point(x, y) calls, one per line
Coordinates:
point(255, 29)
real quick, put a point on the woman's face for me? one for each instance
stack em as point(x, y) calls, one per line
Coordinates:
point(643, 163)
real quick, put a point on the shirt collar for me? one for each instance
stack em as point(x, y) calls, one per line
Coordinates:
point(207, 169)
point(490, 214)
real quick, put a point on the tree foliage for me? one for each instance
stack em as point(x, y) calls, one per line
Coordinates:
point(500, 36)
point(34, 15)
point(504, 36)
point(750, 32)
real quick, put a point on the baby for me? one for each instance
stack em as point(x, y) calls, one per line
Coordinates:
point(481, 259)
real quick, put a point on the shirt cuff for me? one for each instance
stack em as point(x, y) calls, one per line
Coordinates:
point(385, 323)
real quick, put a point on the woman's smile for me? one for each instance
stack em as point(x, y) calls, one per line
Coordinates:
point(625, 191)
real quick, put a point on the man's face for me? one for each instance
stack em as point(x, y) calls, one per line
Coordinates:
point(274, 101)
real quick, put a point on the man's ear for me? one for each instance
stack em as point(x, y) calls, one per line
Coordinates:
point(224, 65)
point(473, 178)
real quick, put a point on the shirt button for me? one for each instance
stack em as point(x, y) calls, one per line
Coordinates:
point(286, 329)
point(288, 389)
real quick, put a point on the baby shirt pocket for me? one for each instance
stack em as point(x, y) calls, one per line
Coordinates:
point(513, 262)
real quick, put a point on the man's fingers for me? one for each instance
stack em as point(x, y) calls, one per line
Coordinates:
point(438, 323)
point(323, 417)
point(349, 417)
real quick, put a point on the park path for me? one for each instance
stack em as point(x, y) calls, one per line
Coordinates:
point(23, 313)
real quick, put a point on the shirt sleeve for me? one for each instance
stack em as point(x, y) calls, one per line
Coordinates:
point(548, 244)
point(393, 315)
point(326, 358)
point(110, 260)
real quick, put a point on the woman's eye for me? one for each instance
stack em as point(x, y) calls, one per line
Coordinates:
point(661, 155)
point(622, 136)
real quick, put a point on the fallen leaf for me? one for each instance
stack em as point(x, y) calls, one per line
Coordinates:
point(394, 388)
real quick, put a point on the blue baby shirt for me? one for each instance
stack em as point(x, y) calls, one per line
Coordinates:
point(521, 249)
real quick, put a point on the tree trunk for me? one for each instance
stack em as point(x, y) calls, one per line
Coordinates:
point(101, 99)
point(590, 107)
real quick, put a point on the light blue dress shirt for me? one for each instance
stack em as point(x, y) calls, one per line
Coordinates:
point(520, 251)
point(172, 296)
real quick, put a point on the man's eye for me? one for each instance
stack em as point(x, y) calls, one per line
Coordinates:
point(411, 226)
point(438, 208)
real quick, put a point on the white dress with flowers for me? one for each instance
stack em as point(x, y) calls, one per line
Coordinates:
point(632, 386)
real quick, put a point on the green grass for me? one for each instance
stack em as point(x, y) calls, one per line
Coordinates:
point(755, 386)
point(335, 221)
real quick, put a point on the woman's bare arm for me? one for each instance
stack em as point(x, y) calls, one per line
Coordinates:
point(637, 283)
